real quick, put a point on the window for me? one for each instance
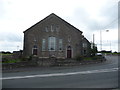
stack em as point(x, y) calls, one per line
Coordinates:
point(84, 44)
point(52, 28)
point(51, 43)
point(57, 28)
point(34, 51)
point(84, 51)
point(46, 29)
point(60, 44)
point(69, 39)
point(43, 44)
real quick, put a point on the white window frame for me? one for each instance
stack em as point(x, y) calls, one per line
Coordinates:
point(52, 28)
point(52, 43)
point(60, 44)
point(46, 29)
point(84, 45)
point(43, 44)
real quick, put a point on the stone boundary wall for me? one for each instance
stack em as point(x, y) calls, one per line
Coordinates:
point(36, 62)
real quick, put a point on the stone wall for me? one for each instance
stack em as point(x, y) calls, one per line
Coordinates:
point(39, 62)
point(70, 36)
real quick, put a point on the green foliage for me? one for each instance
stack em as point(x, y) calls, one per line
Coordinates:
point(79, 58)
point(87, 58)
point(116, 53)
point(30, 58)
point(5, 53)
point(104, 51)
point(95, 57)
point(24, 59)
point(8, 60)
point(94, 51)
point(8, 54)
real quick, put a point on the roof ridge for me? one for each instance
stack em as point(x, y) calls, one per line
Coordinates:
point(49, 16)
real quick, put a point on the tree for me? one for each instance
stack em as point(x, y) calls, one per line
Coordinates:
point(93, 49)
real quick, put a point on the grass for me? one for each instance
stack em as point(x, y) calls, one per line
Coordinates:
point(88, 58)
point(11, 60)
point(6, 54)
point(116, 53)
point(92, 58)
point(79, 58)
point(7, 58)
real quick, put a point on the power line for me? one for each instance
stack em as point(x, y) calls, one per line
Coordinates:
point(105, 28)
point(111, 23)
point(116, 19)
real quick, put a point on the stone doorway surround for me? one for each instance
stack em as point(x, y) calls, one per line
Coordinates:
point(69, 52)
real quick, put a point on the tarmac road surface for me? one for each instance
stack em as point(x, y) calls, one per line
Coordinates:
point(101, 75)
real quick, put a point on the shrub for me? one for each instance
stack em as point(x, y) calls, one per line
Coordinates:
point(30, 58)
point(95, 57)
point(79, 58)
point(8, 60)
point(5, 60)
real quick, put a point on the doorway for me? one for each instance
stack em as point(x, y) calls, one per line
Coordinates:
point(69, 52)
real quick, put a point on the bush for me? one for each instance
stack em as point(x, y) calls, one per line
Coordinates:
point(30, 58)
point(95, 58)
point(87, 58)
point(3, 52)
point(24, 59)
point(7, 60)
point(79, 58)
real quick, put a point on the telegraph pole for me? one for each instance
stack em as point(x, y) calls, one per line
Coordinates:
point(17, 48)
point(100, 40)
point(94, 50)
point(93, 40)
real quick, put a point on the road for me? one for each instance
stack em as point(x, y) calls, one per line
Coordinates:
point(101, 75)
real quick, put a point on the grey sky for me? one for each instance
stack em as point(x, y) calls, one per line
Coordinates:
point(90, 16)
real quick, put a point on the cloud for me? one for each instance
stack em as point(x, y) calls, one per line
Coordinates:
point(10, 37)
point(100, 18)
point(10, 41)
point(87, 15)
point(2, 9)
point(110, 15)
point(10, 46)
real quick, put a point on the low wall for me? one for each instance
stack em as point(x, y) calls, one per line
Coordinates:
point(35, 62)
point(45, 62)
point(17, 65)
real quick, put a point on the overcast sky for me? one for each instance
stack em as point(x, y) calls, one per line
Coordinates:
point(89, 16)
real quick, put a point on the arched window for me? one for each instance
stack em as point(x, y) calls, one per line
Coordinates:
point(51, 43)
point(43, 44)
point(60, 44)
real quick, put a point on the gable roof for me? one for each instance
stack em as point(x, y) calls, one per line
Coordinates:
point(52, 14)
point(85, 39)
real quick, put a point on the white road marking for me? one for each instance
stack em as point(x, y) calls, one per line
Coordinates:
point(62, 74)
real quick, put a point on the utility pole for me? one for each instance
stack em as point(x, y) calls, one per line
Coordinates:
point(108, 41)
point(17, 48)
point(93, 47)
point(93, 41)
point(100, 40)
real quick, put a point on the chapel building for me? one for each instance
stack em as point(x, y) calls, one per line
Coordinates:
point(54, 37)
